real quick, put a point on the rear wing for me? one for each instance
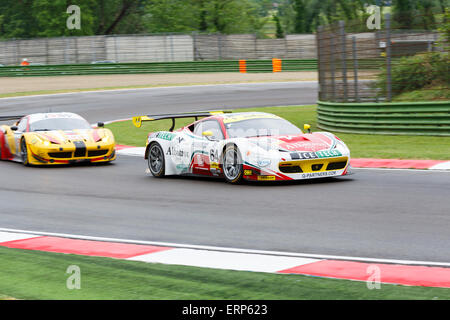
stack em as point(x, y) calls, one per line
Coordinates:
point(137, 121)
point(7, 118)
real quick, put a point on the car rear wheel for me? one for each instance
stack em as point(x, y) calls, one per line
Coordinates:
point(232, 165)
point(156, 162)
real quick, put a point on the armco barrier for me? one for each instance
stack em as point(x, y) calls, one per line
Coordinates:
point(405, 118)
point(156, 67)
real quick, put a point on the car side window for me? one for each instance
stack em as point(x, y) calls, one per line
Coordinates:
point(209, 125)
point(22, 125)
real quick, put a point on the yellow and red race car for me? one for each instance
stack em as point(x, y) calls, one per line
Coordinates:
point(55, 138)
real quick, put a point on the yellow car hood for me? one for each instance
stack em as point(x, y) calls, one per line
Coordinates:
point(63, 137)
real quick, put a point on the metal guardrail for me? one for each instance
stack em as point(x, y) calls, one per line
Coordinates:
point(156, 67)
point(401, 118)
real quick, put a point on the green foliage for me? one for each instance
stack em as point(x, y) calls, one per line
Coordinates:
point(417, 14)
point(47, 18)
point(279, 29)
point(417, 72)
point(50, 17)
point(172, 16)
point(444, 28)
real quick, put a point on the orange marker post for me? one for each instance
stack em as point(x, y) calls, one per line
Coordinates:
point(243, 66)
point(276, 65)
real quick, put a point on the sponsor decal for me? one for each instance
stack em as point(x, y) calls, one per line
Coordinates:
point(328, 153)
point(166, 136)
point(183, 168)
point(303, 145)
point(266, 178)
point(248, 172)
point(214, 155)
point(315, 155)
point(214, 165)
point(176, 152)
point(319, 174)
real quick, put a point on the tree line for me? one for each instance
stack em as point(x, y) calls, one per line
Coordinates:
point(47, 18)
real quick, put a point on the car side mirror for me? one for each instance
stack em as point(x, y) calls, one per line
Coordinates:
point(14, 128)
point(307, 127)
point(100, 124)
point(208, 135)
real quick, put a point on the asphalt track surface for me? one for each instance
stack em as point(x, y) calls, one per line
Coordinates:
point(113, 105)
point(386, 214)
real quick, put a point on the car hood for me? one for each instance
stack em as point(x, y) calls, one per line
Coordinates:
point(291, 143)
point(61, 137)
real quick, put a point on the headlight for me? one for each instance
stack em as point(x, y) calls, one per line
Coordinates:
point(38, 139)
point(264, 162)
point(105, 139)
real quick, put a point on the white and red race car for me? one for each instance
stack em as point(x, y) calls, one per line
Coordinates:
point(243, 146)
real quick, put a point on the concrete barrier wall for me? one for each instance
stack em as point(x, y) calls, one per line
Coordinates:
point(173, 48)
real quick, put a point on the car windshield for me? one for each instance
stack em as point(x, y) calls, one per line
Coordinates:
point(59, 124)
point(261, 127)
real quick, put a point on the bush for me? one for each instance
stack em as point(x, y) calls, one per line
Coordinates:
point(417, 72)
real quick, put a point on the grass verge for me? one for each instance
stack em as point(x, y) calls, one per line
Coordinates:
point(433, 93)
point(361, 145)
point(42, 275)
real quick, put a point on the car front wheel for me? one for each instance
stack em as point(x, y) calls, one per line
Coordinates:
point(24, 152)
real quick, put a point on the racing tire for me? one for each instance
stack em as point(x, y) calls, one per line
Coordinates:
point(24, 153)
point(233, 170)
point(156, 161)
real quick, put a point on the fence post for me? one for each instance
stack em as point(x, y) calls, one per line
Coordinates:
point(388, 57)
point(333, 69)
point(47, 52)
point(18, 52)
point(344, 57)
point(219, 44)
point(94, 56)
point(116, 49)
point(77, 58)
point(172, 53)
point(255, 56)
point(320, 65)
point(66, 48)
point(194, 44)
point(355, 69)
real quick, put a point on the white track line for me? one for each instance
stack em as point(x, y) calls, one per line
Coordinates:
point(235, 250)
point(441, 166)
point(224, 260)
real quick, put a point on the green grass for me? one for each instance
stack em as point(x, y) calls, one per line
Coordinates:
point(361, 146)
point(436, 93)
point(42, 275)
